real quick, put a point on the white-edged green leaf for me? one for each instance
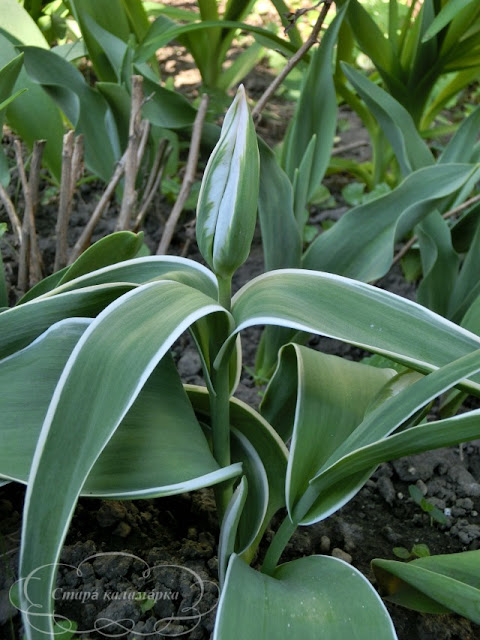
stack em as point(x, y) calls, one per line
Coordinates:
point(356, 313)
point(22, 324)
point(141, 459)
point(272, 453)
point(321, 399)
point(103, 377)
point(356, 458)
point(144, 269)
point(228, 531)
point(317, 596)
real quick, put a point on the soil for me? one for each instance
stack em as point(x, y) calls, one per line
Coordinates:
point(115, 545)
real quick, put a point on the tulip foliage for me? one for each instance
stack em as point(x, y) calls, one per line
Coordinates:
point(109, 417)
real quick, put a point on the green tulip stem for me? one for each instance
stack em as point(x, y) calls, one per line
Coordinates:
point(220, 408)
point(278, 544)
point(225, 291)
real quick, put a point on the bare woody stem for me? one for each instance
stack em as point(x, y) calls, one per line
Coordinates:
point(449, 214)
point(65, 202)
point(131, 162)
point(29, 269)
point(292, 62)
point(188, 178)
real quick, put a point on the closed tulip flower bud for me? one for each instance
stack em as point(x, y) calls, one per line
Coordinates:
point(227, 203)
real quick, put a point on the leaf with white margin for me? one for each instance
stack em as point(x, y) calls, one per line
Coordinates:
point(348, 468)
point(354, 312)
point(273, 456)
point(323, 399)
point(104, 375)
point(145, 434)
point(309, 598)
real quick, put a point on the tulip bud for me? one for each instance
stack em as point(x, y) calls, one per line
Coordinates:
point(227, 203)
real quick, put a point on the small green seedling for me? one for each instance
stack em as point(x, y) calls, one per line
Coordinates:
point(417, 551)
point(434, 512)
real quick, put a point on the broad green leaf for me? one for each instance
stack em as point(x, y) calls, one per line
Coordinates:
point(435, 584)
point(18, 23)
point(471, 320)
point(241, 66)
point(117, 247)
point(145, 433)
point(47, 123)
point(440, 264)
point(119, 101)
point(109, 366)
point(322, 399)
point(86, 109)
point(167, 108)
point(107, 43)
point(312, 597)
point(109, 15)
point(368, 35)
point(315, 113)
point(356, 313)
point(411, 151)
point(360, 245)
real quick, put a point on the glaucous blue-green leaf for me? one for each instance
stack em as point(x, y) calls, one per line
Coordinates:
point(309, 598)
point(318, 400)
point(461, 146)
point(86, 109)
point(360, 245)
point(411, 151)
point(435, 584)
point(141, 459)
point(355, 459)
point(229, 528)
point(144, 269)
point(22, 324)
point(440, 264)
point(356, 313)
point(102, 379)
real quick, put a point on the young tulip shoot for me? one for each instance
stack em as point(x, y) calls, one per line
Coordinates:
point(227, 204)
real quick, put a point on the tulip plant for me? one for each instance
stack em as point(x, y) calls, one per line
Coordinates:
point(93, 405)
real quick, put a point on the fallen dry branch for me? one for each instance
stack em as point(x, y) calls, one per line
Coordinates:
point(188, 178)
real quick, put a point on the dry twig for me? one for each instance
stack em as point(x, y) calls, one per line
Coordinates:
point(188, 178)
point(449, 214)
point(153, 182)
point(65, 201)
point(30, 261)
point(12, 214)
point(292, 62)
point(131, 162)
